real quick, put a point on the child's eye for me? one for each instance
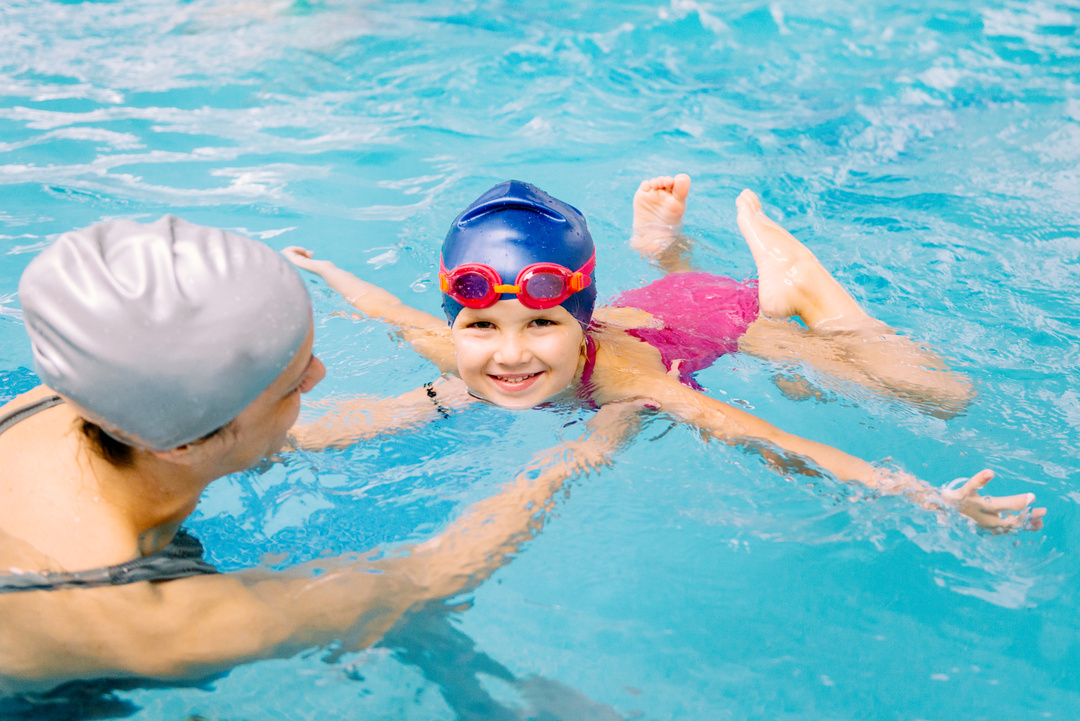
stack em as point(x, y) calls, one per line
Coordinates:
point(544, 322)
point(482, 325)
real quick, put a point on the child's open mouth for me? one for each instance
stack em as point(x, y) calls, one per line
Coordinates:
point(516, 382)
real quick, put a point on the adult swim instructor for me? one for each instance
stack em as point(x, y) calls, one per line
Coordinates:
point(173, 354)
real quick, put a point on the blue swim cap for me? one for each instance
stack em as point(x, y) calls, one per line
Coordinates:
point(515, 224)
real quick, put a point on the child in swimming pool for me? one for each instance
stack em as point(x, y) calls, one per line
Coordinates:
point(534, 340)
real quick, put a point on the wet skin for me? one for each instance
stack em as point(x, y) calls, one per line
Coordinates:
point(517, 357)
point(261, 429)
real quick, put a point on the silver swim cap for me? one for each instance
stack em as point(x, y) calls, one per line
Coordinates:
point(164, 332)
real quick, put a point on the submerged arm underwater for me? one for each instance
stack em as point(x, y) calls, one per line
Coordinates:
point(491, 531)
point(197, 627)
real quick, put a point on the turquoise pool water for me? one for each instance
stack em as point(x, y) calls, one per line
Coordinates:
point(927, 152)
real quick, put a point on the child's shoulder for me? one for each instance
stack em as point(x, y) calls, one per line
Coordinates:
point(618, 318)
point(624, 365)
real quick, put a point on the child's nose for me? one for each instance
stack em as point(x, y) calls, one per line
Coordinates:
point(513, 351)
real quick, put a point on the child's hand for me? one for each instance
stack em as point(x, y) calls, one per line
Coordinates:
point(302, 258)
point(993, 512)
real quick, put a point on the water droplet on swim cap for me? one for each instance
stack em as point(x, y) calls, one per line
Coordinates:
point(162, 332)
point(515, 224)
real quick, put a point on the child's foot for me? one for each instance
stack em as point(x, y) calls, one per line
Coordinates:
point(659, 206)
point(791, 281)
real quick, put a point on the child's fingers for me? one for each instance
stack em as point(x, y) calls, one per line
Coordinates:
point(999, 523)
point(977, 481)
point(1025, 518)
point(1002, 513)
point(297, 250)
point(1031, 520)
point(1007, 503)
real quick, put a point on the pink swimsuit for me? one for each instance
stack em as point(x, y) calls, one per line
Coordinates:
point(703, 317)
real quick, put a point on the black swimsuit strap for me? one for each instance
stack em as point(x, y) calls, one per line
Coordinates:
point(183, 557)
point(21, 414)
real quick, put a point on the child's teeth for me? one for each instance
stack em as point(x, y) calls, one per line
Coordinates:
point(515, 379)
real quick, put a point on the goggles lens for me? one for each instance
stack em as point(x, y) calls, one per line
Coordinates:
point(545, 286)
point(470, 286)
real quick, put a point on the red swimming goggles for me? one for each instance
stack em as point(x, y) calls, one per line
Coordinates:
point(539, 285)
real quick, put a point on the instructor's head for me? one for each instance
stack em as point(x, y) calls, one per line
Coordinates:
point(163, 333)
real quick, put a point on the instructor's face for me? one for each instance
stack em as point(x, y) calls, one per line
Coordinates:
point(260, 429)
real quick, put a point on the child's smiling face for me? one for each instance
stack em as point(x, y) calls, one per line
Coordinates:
point(517, 357)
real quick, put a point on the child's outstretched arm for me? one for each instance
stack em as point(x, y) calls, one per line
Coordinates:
point(345, 421)
point(790, 452)
point(428, 335)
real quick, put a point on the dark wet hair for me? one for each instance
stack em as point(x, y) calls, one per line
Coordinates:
point(117, 453)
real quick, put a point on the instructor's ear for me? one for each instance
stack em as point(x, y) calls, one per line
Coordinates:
point(196, 452)
point(189, 454)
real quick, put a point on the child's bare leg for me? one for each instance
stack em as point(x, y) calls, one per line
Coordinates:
point(791, 281)
point(884, 363)
point(845, 342)
point(659, 206)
